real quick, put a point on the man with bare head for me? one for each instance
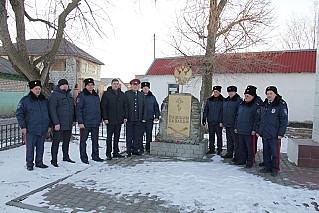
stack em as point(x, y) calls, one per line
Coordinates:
point(114, 113)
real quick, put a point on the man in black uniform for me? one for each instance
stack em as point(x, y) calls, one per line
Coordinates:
point(61, 108)
point(230, 108)
point(213, 113)
point(258, 101)
point(88, 114)
point(152, 113)
point(137, 114)
point(114, 113)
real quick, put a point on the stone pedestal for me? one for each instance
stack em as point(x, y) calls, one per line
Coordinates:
point(303, 152)
point(180, 149)
point(180, 132)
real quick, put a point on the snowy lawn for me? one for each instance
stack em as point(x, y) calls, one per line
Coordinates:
point(209, 186)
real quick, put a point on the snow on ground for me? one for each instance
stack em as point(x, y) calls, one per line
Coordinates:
point(197, 185)
point(194, 185)
point(15, 180)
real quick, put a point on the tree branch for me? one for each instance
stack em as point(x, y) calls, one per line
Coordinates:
point(58, 38)
point(40, 20)
point(14, 57)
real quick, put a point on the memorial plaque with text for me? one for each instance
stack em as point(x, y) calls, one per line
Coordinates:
point(179, 112)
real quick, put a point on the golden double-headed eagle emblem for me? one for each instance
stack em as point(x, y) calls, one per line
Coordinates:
point(182, 74)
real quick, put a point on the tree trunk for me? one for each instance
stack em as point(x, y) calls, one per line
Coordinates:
point(207, 72)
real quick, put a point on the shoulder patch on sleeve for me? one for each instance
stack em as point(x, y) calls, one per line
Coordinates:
point(77, 100)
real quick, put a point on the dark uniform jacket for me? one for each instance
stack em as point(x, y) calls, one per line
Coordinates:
point(114, 106)
point(213, 111)
point(88, 108)
point(152, 106)
point(61, 108)
point(247, 117)
point(273, 118)
point(259, 100)
point(142, 108)
point(32, 113)
point(230, 108)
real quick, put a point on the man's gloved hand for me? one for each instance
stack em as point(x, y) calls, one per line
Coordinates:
point(204, 121)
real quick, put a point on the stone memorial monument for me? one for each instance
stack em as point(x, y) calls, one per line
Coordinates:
point(180, 131)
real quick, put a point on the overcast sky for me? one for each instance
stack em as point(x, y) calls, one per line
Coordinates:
point(129, 47)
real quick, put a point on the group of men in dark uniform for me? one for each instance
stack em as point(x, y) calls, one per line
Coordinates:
point(245, 121)
point(36, 115)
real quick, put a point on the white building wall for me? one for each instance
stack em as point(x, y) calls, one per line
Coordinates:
point(315, 129)
point(297, 89)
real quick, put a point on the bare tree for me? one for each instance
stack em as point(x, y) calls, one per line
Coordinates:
point(300, 33)
point(55, 19)
point(217, 27)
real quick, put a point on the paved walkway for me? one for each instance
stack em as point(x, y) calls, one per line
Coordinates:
point(289, 175)
point(60, 196)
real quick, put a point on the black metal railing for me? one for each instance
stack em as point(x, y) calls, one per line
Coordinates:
point(103, 132)
point(10, 136)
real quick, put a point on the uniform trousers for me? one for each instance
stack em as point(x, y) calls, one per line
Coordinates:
point(148, 128)
point(232, 142)
point(116, 130)
point(57, 135)
point(34, 142)
point(215, 129)
point(247, 149)
point(271, 153)
point(84, 133)
point(134, 136)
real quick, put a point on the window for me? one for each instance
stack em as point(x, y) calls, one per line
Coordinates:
point(96, 70)
point(86, 67)
point(58, 65)
point(173, 88)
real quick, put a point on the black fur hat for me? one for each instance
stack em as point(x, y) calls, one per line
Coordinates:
point(232, 89)
point(35, 83)
point(146, 84)
point(88, 80)
point(219, 88)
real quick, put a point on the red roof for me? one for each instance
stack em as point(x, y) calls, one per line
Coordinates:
point(293, 61)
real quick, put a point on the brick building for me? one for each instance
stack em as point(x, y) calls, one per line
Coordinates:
point(71, 63)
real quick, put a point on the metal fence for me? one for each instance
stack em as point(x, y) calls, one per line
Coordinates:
point(103, 131)
point(11, 135)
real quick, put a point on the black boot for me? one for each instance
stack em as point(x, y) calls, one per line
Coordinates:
point(54, 163)
point(68, 160)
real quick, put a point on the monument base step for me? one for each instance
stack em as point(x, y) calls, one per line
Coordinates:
point(185, 150)
point(303, 152)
